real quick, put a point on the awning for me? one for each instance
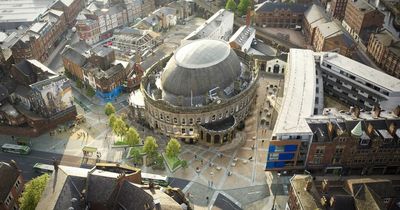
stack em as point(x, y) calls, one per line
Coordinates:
point(89, 149)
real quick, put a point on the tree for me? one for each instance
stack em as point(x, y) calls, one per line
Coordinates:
point(173, 148)
point(230, 5)
point(119, 127)
point(32, 192)
point(242, 7)
point(132, 137)
point(136, 156)
point(150, 146)
point(90, 91)
point(111, 120)
point(79, 84)
point(109, 109)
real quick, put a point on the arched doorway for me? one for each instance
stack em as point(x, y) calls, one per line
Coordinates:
point(208, 138)
point(217, 139)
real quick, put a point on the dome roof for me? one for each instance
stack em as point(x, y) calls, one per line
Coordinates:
point(198, 67)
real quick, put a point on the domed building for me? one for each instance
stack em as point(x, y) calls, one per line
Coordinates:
point(200, 93)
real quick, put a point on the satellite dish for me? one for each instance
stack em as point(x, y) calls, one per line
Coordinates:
point(74, 29)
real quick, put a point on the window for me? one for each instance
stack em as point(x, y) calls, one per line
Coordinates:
point(213, 117)
point(183, 131)
point(274, 156)
point(17, 183)
point(175, 120)
point(161, 116)
point(8, 200)
point(191, 121)
point(183, 121)
point(198, 120)
point(320, 150)
point(364, 142)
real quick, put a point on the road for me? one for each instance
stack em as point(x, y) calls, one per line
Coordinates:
point(26, 162)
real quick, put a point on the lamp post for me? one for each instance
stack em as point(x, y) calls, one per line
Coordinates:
point(276, 190)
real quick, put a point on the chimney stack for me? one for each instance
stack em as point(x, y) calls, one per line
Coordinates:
point(325, 186)
point(356, 112)
point(332, 201)
point(308, 185)
point(392, 129)
point(377, 110)
point(13, 164)
point(396, 111)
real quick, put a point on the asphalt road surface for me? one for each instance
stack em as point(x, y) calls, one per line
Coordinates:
point(26, 162)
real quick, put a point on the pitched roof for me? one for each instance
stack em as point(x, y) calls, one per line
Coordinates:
point(271, 7)
point(9, 175)
point(315, 15)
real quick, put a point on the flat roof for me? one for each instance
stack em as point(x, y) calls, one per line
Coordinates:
point(299, 93)
point(22, 10)
point(371, 75)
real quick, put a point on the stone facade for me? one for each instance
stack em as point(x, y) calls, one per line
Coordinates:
point(385, 50)
point(337, 9)
point(361, 19)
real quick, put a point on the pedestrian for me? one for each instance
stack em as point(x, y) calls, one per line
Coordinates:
point(195, 157)
point(262, 141)
point(201, 161)
point(207, 200)
point(212, 183)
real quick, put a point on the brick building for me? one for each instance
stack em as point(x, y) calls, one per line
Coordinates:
point(40, 39)
point(87, 27)
point(361, 19)
point(385, 50)
point(98, 19)
point(351, 194)
point(74, 57)
point(71, 8)
point(99, 67)
point(330, 37)
point(313, 17)
point(11, 185)
point(37, 100)
point(338, 8)
point(279, 15)
point(355, 143)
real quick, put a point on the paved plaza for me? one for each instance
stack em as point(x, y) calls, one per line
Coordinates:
point(230, 176)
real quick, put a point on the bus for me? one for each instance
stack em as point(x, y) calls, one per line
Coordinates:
point(18, 149)
point(43, 168)
point(155, 178)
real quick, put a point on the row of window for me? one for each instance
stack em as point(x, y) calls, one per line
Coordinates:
point(164, 117)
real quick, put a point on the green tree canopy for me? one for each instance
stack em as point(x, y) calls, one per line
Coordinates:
point(90, 91)
point(79, 84)
point(119, 127)
point(132, 137)
point(150, 145)
point(173, 148)
point(32, 192)
point(111, 120)
point(109, 109)
point(136, 156)
point(242, 7)
point(230, 5)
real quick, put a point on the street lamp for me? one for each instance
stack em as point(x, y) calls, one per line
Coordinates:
point(276, 190)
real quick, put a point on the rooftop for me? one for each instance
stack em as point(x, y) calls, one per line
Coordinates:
point(315, 15)
point(329, 29)
point(299, 92)
point(388, 40)
point(9, 174)
point(365, 72)
point(22, 10)
point(271, 7)
point(210, 25)
point(242, 35)
point(307, 199)
point(362, 5)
